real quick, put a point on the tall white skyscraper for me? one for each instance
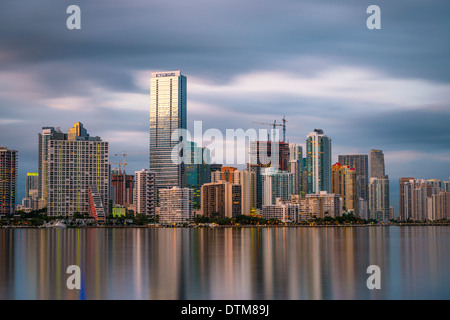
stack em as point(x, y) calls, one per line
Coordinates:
point(318, 154)
point(167, 114)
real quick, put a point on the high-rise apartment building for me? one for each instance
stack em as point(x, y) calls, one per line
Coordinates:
point(32, 185)
point(318, 153)
point(296, 168)
point(438, 206)
point(221, 199)
point(8, 180)
point(343, 182)
point(73, 166)
point(175, 205)
point(48, 133)
point(145, 192)
point(376, 164)
point(167, 114)
point(31, 200)
point(247, 181)
point(379, 208)
point(414, 198)
point(406, 186)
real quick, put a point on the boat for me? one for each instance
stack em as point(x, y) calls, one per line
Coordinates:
point(57, 224)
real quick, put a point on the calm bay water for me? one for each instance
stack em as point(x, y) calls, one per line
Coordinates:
point(230, 263)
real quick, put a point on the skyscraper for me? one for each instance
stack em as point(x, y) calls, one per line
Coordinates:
point(361, 164)
point(414, 197)
point(8, 181)
point(48, 133)
point(76, 165)
point(32, 185)
point(406, 186)
point(167, 114)
point(379, 208)
point(376, 164)
point(318, 153)
point(246, 179)
point(344, 184)
point(296, 166)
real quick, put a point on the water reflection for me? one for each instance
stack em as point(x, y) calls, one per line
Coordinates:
point(267, 263)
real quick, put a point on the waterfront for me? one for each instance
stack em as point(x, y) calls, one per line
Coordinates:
point(226, 263)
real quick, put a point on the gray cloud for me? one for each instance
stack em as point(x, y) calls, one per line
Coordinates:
point(52, 76)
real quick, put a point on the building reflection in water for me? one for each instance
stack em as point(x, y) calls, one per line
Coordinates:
point(229, 263)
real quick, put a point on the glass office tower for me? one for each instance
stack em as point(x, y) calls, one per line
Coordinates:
point(167, 114)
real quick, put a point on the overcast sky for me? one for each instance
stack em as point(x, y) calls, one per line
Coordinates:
point(314, 62)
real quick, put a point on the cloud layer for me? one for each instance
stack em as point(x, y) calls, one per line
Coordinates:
point(246, 61)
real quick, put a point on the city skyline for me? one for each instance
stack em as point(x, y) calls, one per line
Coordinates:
point(374, 90)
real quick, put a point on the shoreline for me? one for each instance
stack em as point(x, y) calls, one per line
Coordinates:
point(237, 227)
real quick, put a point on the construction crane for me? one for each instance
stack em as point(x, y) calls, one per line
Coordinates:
point(124, 154)
point(275, 124)
point(120, 165)
point(123, 163)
